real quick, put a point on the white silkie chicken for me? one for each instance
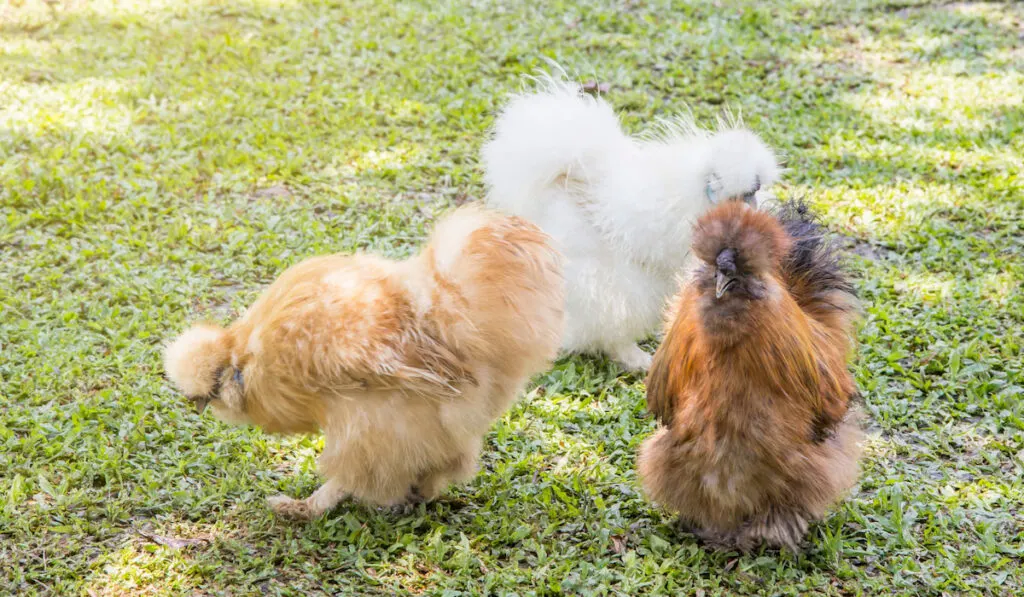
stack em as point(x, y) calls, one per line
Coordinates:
point(619, 208)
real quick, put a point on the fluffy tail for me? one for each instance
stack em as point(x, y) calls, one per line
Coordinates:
point(556, 135)
point(195, 359)
point(812, 271)
point(509, 279)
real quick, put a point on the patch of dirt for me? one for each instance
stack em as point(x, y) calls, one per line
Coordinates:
point(278, 191)
point(174, 542)
point(865, 249)
point(220, 309)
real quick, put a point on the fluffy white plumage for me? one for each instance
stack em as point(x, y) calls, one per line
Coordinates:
point(619, 208)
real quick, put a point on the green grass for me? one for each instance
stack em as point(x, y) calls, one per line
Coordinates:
point(163, 161)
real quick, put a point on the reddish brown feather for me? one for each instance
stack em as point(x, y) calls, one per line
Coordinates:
point(741, 418)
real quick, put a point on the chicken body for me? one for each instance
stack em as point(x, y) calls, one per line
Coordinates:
point(620, 209)
point(751, 383)
point(402, 364)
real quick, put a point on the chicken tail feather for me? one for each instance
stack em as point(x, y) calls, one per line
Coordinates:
point(194, 361)
point(558, 136)
point(811, 269)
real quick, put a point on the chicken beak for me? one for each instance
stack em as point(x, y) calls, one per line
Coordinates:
point(722, 284)
point(201, 403)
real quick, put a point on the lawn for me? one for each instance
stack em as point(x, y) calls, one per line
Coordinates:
point(161, 162)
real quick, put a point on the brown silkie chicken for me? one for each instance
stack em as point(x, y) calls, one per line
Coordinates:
point(403, 365)
point(751, 385)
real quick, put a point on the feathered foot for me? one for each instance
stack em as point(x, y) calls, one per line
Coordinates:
point(777, 528)
point(287, 507)
point(712, 539)
point(323, 499)
point(631, 357)
point(412, 499)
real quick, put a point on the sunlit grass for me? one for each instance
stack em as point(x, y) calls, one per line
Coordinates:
point(161, 162)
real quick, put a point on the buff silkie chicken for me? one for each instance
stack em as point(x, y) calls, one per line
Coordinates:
point(751, 384)
point(403, 365)
point(619, 208)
